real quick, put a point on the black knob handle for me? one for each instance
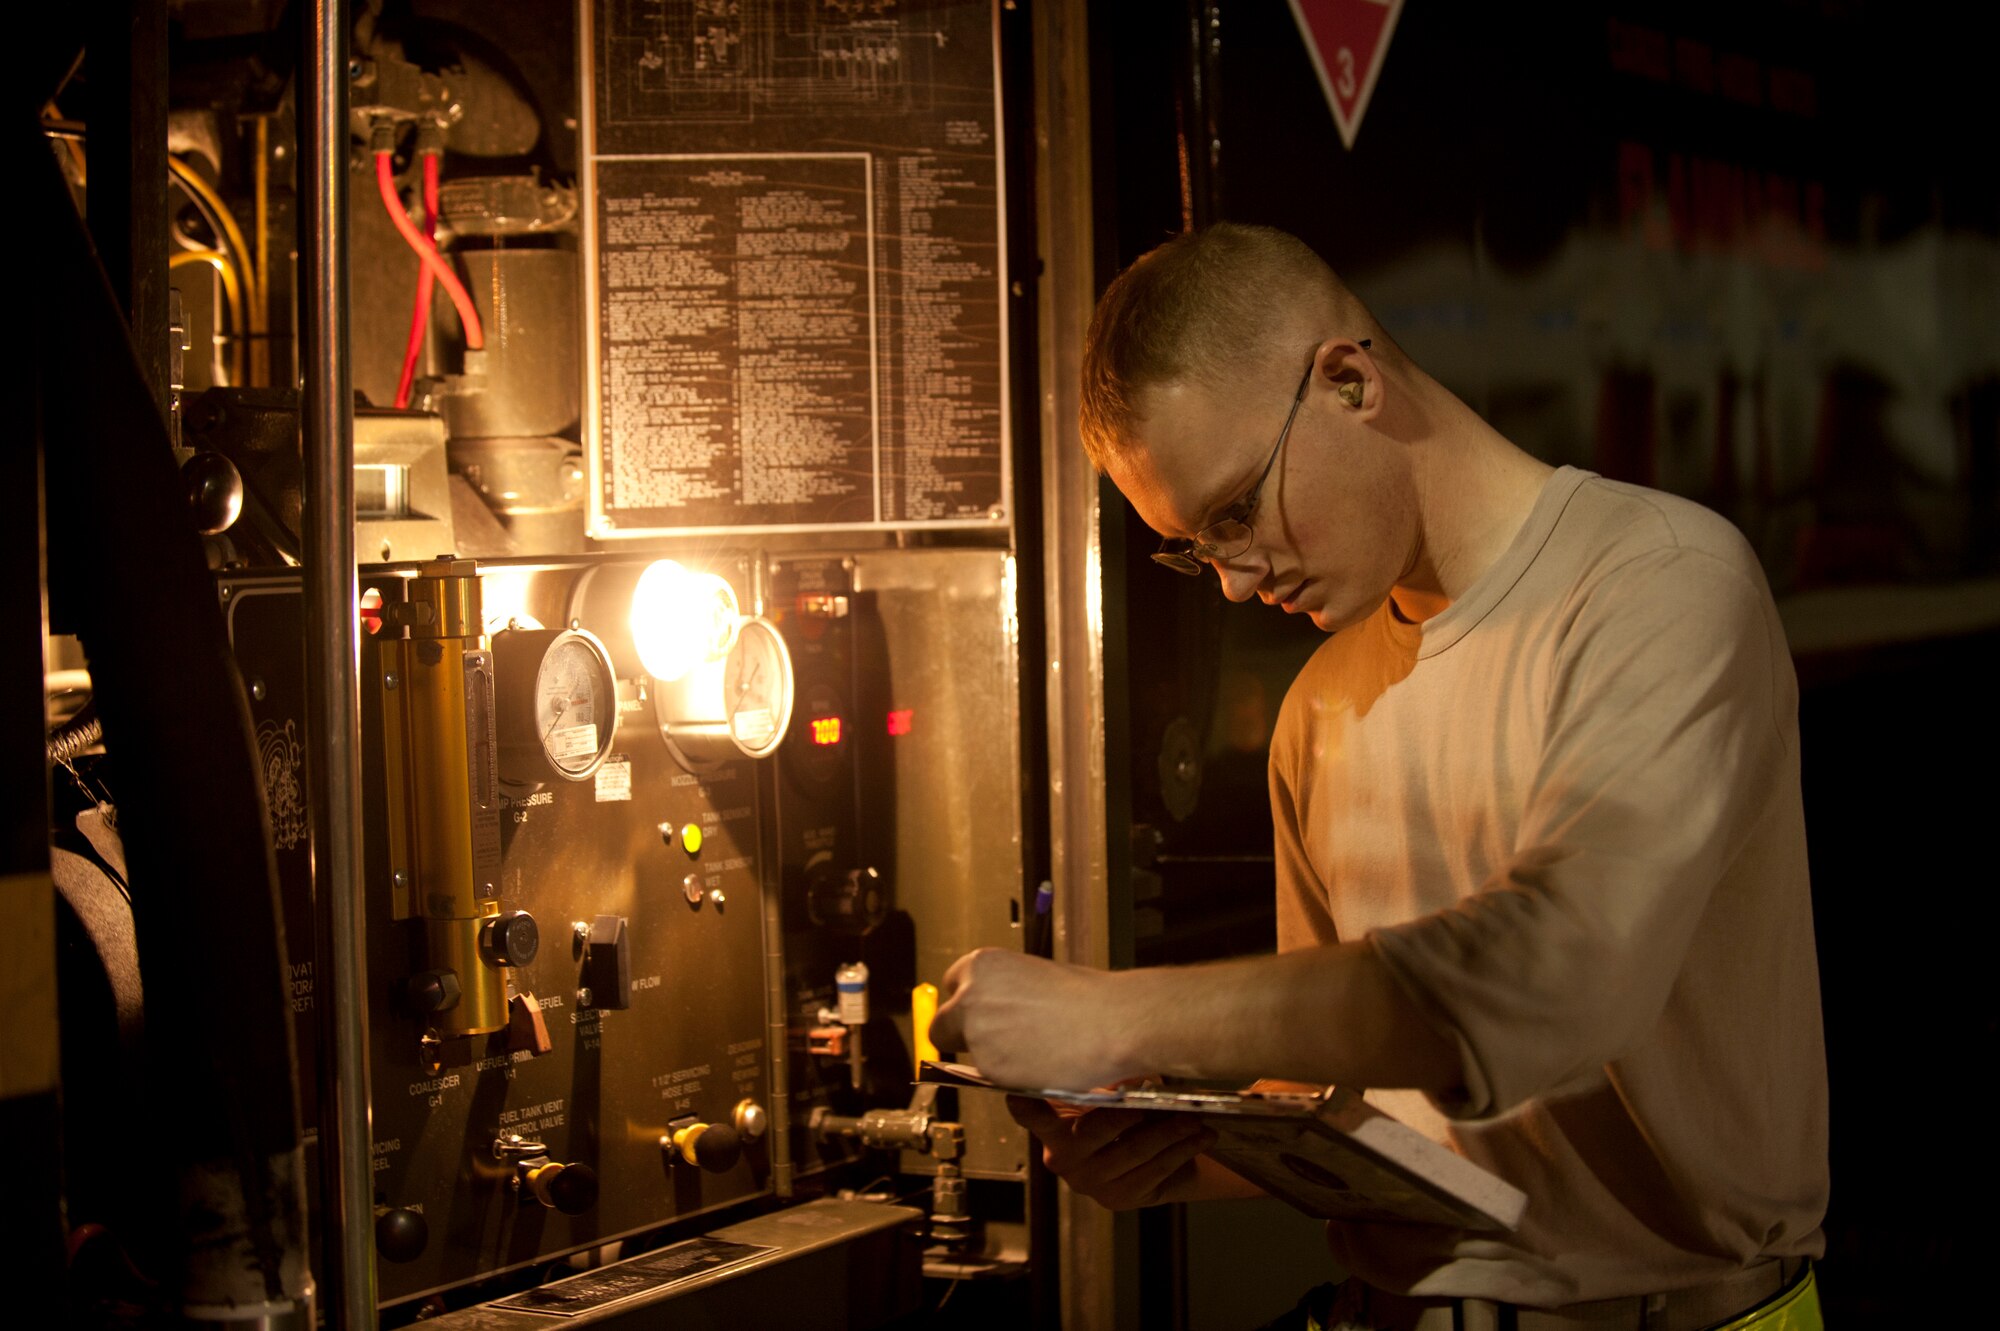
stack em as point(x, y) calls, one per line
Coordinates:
point(574, 1190)
point(434, 991)
point(718, 1148)
point(214, 491)
point(510, 938)
point(854, 902)
point(400, 1235)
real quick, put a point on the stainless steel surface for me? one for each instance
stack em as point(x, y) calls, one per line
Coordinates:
point(777, 1034)
point(507, 206)
point(957, 780)
point(527, 300)
point(1073, 555)
point(407, 450)
point(869, 1244)
point(332, 665)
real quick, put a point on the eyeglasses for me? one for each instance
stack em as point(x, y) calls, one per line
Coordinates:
point(1230, 535)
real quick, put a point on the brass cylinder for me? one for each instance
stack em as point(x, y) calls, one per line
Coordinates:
point(443, 779)
point(445, 593)
point(482, 1000)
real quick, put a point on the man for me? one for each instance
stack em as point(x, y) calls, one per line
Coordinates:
point(1540, 853)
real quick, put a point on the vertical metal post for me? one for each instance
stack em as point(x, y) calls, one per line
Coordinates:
point(326, 417)
point(1074, 563)
point(127, 46)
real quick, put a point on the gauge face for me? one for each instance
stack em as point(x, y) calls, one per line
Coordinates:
point(576, 704)
point(757, 689)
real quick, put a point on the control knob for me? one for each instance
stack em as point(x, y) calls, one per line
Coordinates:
point(715, 1147)
point(571, 1189)
point(510, 938)
point(401, 1234)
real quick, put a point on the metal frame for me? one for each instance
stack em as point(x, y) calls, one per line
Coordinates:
point(1074, 586)
point(326, 420)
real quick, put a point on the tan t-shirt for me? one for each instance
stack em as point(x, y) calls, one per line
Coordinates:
point(1567, 810)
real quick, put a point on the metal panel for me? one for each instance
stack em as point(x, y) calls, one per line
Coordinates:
point(693, 1041)
point(950, 627)
point(858, 1259)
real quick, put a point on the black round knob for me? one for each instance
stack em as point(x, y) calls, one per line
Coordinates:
point(854, 902)
point(718, 1148)
point(574, 1190)
point(510, 938)
point(434, 991)
point(214, 491)
point(400, 1235)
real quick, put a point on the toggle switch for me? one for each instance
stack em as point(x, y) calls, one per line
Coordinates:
point(607, 963)
point(526, 1027)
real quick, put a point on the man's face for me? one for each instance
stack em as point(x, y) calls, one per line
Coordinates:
point(1335, 522)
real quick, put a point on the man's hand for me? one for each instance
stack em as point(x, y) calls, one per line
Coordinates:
point(1120, 1158)
point(1032, 1023)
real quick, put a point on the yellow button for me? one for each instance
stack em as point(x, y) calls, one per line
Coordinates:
point(691, 839)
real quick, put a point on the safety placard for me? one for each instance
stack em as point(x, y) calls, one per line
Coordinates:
point(1347, 40)
point(794, 266)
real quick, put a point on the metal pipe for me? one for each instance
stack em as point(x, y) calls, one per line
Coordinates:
point(326, 419)
point(1073, 556)
point(776, 1016)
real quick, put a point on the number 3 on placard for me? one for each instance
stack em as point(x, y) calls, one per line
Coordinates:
point(1345, 84)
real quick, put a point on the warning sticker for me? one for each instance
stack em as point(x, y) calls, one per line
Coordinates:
point(614, 779)
point(573, 742)
point(628, 1280)
point(1347, 40)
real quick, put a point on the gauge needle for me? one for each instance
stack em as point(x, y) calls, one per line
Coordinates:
point(562, 705)
point(743, 689)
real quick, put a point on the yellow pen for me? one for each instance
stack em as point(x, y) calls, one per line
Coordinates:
point(923, 1007)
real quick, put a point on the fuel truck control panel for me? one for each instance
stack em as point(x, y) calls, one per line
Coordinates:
point(568, 983)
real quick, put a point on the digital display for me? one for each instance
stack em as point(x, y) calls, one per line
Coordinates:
point(899, 722)
point(826, 730)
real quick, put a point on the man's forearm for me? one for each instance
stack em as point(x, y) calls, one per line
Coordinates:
point(1327, 1014)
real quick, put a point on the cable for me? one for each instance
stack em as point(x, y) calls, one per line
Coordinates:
point(260, 352)
point(420, 315)
point(232, 288)
point(231, 233)
point(219, 216)
point(385, 180)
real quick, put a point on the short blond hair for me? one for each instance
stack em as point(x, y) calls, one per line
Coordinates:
point(1223, 305)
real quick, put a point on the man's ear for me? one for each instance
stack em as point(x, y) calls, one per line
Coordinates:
point(1357, 381)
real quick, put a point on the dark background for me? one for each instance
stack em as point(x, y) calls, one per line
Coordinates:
point(1743, 252)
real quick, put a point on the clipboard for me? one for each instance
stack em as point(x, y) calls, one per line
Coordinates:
point(1328, 1153)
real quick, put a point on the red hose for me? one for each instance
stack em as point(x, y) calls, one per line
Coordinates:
point(420, 315)
point(468, 317)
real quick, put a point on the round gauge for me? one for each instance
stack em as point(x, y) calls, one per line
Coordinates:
point(757, 689)
point(576, 704)
point(558, 704)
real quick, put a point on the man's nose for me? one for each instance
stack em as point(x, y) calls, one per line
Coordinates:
point(1239, 579)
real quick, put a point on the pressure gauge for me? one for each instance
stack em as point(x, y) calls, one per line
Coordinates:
point(738, 706)
point(757, 689)
point(558, 704)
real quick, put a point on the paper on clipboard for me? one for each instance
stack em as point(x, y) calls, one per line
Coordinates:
point(1330, 1154)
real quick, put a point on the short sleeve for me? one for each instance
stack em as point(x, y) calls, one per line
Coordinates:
point(1660, 753)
